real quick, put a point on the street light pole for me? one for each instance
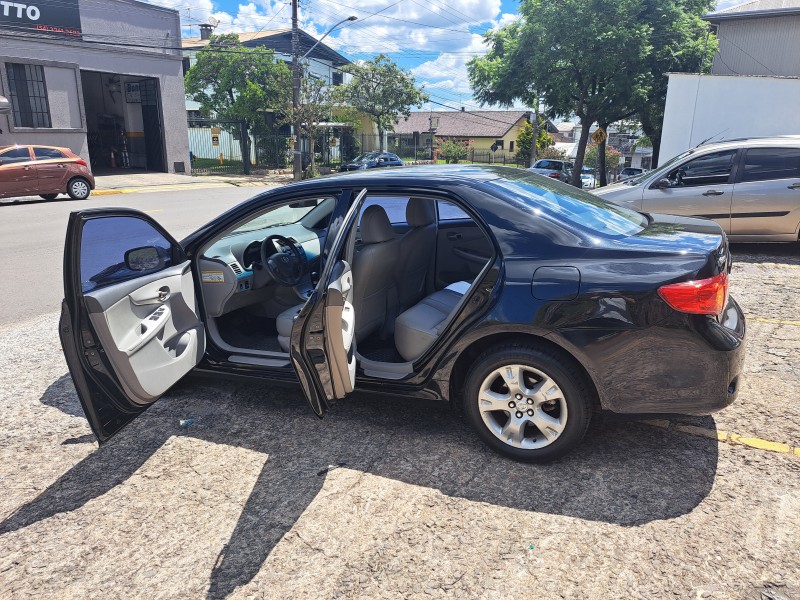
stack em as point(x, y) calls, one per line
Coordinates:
point(296, 124)
point(297, 158)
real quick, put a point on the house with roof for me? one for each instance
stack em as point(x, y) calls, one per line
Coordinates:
point(753, 89)
point(486, 130)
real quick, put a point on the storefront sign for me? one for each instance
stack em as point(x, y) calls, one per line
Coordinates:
point(48, 17)
point(132, 93)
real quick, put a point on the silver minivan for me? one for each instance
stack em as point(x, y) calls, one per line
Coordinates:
point(750, 187)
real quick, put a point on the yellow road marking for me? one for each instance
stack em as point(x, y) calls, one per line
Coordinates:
point(776, 321)
point(733, 439)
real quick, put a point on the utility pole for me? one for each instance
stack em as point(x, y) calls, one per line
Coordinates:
point(297, 162)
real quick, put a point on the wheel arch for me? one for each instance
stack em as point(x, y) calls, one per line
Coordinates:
point(469, 355)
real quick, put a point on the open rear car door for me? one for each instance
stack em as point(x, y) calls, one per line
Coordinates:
point(129, 325)
point(323, 335)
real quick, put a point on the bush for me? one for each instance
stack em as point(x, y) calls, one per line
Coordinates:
point(452, 151)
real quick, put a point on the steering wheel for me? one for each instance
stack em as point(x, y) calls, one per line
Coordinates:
point(287, 268)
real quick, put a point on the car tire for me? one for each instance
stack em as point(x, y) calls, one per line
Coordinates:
point(78, 188)
point(511, 429)
point(48, 196)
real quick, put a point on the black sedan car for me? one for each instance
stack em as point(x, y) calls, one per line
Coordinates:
point(525, 302)
point(373, 160)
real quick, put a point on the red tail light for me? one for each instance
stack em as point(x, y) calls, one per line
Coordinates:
point(701, 297)
point(554, 175)
point(81, 162)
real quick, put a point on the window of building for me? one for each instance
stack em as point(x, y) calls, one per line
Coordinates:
point(337, 78)
point(763, 164)
point(47, 153)
point(511, 146)
point(28, 95)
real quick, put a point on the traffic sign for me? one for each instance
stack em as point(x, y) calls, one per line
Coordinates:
point(599, 136)
point(215, 140)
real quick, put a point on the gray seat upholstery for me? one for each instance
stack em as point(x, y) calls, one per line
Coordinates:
point(417, 248)
point(284, 323)
point(418, 327)
point(374, 267)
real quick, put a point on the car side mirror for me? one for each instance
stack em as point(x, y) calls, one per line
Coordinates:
point(146, 258)
point(663, 183)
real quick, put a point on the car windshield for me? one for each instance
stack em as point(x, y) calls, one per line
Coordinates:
point(665, 167)
point(553, 165)
point(283, 215)
point(580, 208)
point(366, 157)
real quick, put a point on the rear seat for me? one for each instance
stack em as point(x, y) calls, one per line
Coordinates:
point(418, 327)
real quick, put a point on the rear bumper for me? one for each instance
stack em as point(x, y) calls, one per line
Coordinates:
point(705, 376)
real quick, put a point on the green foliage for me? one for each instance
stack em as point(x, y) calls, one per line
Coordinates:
point(235, 82)
point(601, 61)
point(553, 153)
point(316, 107)
point(592, 158)
point(452, 150)
point(383, 91)
point(525, 140)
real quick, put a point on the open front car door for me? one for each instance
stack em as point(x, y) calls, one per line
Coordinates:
point(129, 322)
point(323, 335)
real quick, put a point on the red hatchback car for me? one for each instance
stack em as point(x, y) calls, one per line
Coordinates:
point(46, 171)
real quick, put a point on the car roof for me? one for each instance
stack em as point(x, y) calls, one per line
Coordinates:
point(419, 174)
point(780, 140)
point(33, 146)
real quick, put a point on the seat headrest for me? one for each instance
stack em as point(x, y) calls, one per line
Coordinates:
point(375, 226)
point(419, 212)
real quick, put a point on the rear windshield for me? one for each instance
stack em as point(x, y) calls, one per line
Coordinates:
point(580, 208)
point(553, 165)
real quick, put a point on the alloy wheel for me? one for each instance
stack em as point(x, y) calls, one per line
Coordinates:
point(522, 406)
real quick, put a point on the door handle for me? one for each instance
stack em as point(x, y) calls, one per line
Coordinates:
point(163, 294)
point(26, 168)
point(453, 236)
point(712, 193)
point(794, 186)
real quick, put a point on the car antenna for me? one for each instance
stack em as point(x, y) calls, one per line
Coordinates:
point(712, 137)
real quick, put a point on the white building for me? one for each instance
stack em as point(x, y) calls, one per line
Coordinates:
point(754, 86)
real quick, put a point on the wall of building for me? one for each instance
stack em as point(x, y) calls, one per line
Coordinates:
point(114, 20)
point(763, 46)
point(699, 107)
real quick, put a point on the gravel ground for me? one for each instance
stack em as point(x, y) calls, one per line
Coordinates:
point(388, 499)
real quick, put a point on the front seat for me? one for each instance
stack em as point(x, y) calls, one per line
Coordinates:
point(373, 271)
point(417, 249)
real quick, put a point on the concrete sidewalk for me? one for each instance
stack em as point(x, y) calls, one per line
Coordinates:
point(137, 181)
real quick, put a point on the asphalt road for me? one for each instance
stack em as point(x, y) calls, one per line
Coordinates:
point(32, 238)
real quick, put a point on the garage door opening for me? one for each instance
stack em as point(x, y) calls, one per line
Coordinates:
point(124, 122)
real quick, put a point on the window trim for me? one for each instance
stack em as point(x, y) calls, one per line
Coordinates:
point(733, 176)
point(743, 157)
point(33, 115)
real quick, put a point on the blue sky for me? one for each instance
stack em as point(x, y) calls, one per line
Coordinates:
point(432, 38)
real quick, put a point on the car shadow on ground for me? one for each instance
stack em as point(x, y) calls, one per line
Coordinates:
point(624, 473)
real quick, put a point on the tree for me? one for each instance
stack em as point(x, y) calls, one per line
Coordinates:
point(592, 158)
point(683, 43)
point(582, 69)
point(381, 90)
point(452, 150)
point(525, 139)
point(316, 107)
point(235, 82)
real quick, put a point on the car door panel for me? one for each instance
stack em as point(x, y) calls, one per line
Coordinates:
point(322, 346)
point(17, 173)
point(462, 250)
point(130, 326)
point(766, 196)
point(701, 201)
point(52, 176)
point(152, 334)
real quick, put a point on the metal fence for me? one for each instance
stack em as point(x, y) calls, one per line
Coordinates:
point(217, 146)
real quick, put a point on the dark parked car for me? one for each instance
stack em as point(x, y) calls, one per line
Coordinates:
point(524, 302)
point(373, 160)
point(555, 169)
point(46, 171)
